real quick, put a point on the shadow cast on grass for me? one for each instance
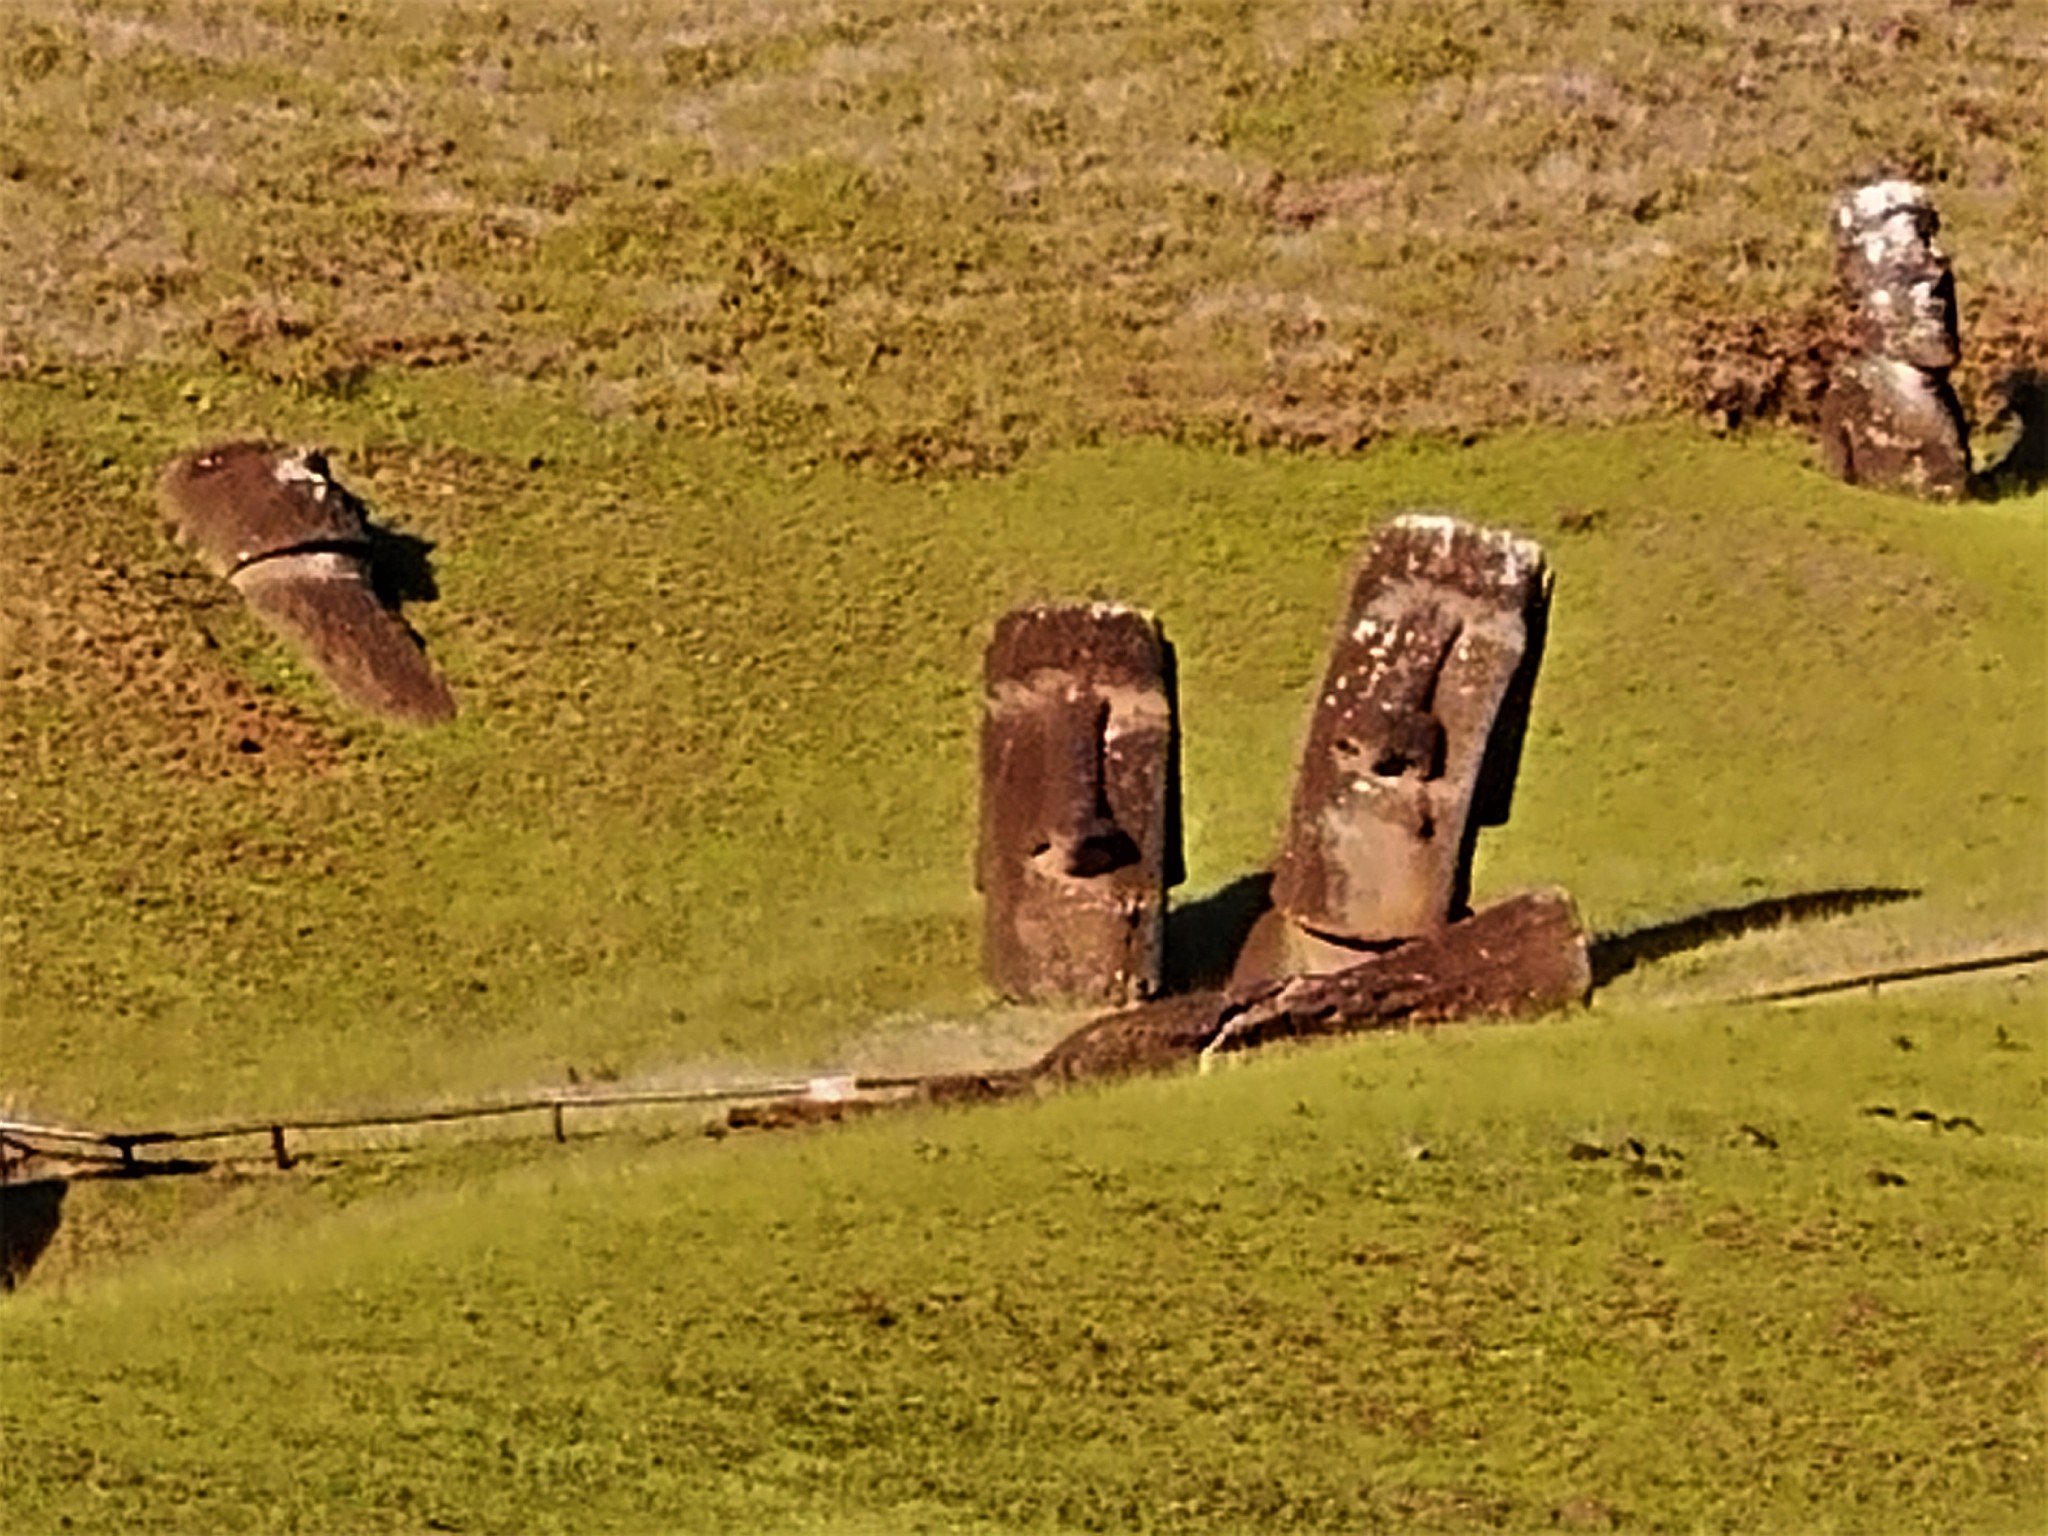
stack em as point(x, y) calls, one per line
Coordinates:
point(1204, 937)
point(1615, 955)
point(2024, 468)
point(30, 1213)
point(401, 567)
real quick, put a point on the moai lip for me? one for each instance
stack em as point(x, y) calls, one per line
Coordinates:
point(1890, 417)
point(297, 546)
point(1080, 803)
point(1415, 737)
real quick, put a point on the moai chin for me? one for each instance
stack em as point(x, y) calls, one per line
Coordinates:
point(292, 540)
point(1890, 418)
point(1080, 804)
point(1415, 737)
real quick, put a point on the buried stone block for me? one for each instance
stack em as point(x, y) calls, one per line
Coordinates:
point(1890, 417)
point(1080, 803)
point(297, 546)
point(1413, 743)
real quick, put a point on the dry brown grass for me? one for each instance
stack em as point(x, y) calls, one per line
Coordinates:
point(921, 234)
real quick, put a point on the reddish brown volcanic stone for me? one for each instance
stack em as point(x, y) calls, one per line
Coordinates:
point(1080, 815)
point(297, 545)
point(1520, 957)
point(1416, 733)
point(243, 501)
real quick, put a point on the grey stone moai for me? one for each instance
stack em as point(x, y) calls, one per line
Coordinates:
point(297, 546)
point(1414, 741)
point(1890, 418)
point(1080, 804)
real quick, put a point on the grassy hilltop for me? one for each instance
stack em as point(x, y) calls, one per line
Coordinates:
point(741, 367)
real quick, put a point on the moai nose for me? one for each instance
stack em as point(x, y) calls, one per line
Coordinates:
point(1086, 840)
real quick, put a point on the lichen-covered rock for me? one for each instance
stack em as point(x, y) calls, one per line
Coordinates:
point(1890, 418)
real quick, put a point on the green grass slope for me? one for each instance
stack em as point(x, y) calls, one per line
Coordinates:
point(1356, 1287)
point(740, 369)
point(711, 798)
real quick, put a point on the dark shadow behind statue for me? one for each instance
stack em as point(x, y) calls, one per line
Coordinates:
point(2024, 468)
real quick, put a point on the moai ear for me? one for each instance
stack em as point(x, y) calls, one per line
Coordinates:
point(1415, 737)
point(296, 545)
point(1079, 824)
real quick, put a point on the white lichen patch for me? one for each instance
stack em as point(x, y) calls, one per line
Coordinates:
point(1515, 558)
point(1868, 207)
point(1887, 221)
point(293, 469)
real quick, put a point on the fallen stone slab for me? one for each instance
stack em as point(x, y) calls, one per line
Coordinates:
point(298, 547)
point(1524, 956)
point(1521, 957)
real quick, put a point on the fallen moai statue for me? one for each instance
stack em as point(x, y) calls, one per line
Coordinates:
point(1519, 957)
point(1890, 417)
point(1516, 959)
point(298, 547)
point(1413, 744)
point(1080, 813)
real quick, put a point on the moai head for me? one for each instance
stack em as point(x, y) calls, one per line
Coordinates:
point(1080, 803)
point(244, 502)
point(297, 546)
point(1894, 276)
point(1416, 735)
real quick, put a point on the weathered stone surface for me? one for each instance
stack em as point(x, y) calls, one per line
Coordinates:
point(298, 547)
point(1080, 815)
point(326, 605)
point(1416, 734)
point(1890, 418)
point(1520, 957)
point(242, 502)
point(1888, 424)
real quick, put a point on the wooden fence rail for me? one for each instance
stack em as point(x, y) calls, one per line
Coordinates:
point(29, 1135)
point(31, 1138)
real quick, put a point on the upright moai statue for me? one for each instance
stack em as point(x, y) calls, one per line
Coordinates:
point(1890, 418)
point(1413, 743)
point(297, 545)
point(1080, 804)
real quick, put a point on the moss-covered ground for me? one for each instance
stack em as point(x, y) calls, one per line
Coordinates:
point(739, 371)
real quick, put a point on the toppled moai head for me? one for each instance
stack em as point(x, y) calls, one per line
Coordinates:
point(1080, 823)
point(244, 502)
point(298, 547)
point(1415, 738)
point(1894, 276)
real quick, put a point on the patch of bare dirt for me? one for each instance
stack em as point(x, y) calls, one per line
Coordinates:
point(125, 650)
